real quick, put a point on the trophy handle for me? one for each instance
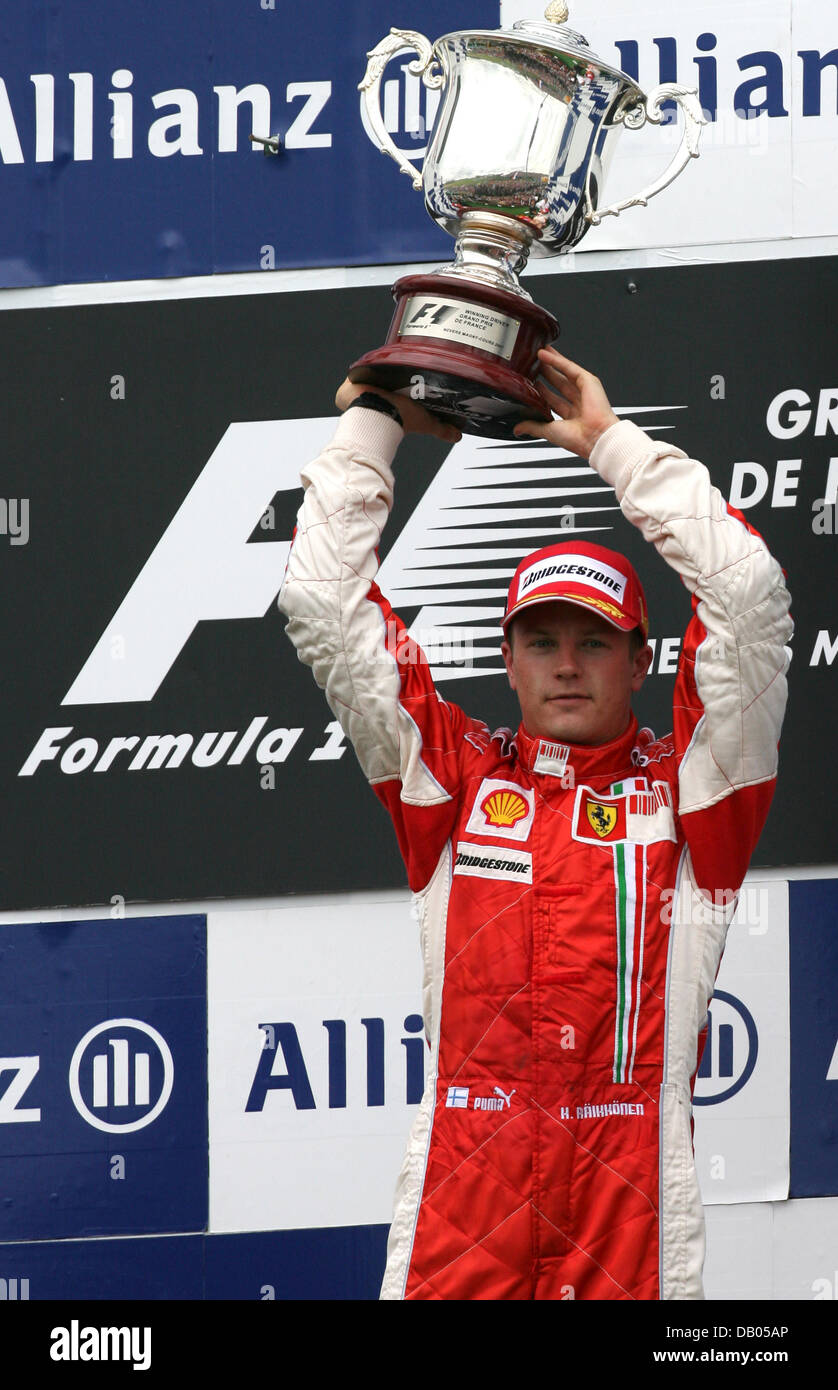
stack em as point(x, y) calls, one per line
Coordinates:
point(397, 41)
point(636, 116)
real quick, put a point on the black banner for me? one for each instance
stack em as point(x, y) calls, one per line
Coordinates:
point(162, 742)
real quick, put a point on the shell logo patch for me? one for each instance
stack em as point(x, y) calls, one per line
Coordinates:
point(504, 808)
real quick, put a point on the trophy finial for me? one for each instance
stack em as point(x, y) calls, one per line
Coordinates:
point(557, 12)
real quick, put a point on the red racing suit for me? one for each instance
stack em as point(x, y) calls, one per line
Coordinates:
point(573, 901)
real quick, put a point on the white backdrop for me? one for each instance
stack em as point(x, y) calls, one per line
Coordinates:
point(766, 178)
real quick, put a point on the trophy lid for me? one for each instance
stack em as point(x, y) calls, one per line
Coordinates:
point(553, 34)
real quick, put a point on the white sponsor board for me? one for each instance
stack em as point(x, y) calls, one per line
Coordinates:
point(766, 75)
point(742, 1139)
point(306, 1014)
point(781, 1250)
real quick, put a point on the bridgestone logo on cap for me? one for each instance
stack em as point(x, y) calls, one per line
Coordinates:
point(574, 567)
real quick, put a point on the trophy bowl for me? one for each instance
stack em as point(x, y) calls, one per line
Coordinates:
point(525, 131)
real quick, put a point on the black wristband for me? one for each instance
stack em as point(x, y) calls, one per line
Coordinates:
point(370, 400)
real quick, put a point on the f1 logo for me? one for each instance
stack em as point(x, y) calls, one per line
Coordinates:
point(207, 540)
point(431, 313)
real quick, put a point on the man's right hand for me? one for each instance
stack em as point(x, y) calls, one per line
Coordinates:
point(416, 419)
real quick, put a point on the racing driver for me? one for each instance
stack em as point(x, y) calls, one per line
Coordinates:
point(573, 883)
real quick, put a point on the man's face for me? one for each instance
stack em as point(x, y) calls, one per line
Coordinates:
point(574, 673)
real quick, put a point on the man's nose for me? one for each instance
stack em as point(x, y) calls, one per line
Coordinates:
point(567, 659)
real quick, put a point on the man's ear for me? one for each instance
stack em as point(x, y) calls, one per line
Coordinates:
point(506, 653)
point(641, 663)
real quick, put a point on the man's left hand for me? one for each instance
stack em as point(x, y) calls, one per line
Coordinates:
point(416, 419)
point(578, 398)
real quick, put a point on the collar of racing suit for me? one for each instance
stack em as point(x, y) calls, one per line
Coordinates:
point(618, 756)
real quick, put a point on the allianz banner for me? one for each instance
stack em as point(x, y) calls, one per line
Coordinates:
point(103, 1068)
point(161, 740)
point(767, 79)
point(243, 1083)
point(125, 150)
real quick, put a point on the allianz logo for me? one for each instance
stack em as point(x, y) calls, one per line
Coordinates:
point(730, 1051)
point(339, 1064)
point(458, 1099)
point(161, 124)
point(67, 110)
point(120, 1078)
point(734, 90)
point(180, 120)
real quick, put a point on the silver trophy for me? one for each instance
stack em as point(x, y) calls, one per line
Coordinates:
point(525, 131)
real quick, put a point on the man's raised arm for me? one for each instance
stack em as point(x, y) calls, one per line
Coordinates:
point(377, 683)
point(730, 694)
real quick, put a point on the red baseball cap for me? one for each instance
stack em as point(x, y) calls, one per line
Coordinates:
point(578, 572)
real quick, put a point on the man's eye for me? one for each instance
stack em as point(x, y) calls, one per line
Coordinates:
point(594, 642)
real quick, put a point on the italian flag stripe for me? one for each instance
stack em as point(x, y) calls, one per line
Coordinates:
point(640, 934)
point(620, 876)
point(630, 896)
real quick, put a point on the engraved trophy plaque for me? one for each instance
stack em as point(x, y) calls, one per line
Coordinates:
point(525, 131)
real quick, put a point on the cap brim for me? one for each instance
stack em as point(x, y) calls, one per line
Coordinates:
point(597, 605)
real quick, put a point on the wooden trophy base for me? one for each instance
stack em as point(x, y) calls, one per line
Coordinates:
point(466, 351)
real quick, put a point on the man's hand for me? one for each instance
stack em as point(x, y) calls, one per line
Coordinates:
point(416, 419)
point(577, 397)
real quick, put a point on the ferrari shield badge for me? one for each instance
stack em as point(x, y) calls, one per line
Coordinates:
point(602, 818)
